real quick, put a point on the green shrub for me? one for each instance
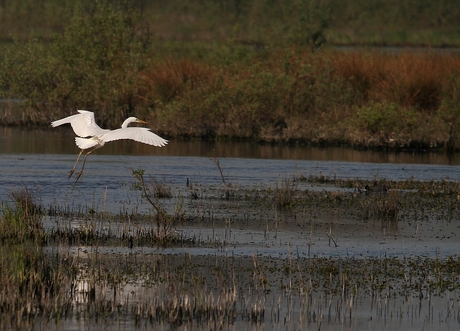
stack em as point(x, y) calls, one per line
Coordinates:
point(385, 117)
point(94, 64)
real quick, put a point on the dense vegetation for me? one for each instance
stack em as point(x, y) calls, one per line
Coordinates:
point(252, 69)
point(376, 22)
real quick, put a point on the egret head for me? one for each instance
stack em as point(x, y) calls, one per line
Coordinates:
point(132, 120)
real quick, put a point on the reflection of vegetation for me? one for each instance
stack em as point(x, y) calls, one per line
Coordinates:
point(220, 291)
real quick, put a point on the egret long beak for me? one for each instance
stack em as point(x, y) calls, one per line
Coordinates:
point(141, 121)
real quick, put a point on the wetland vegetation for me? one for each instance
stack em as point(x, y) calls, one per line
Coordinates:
point(61, 267)
point(229, 72)
point(309, 251)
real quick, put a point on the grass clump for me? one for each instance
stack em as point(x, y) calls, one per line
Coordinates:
point(33, 286)
point(285, 192)
point(23, 221)
point(164, 222)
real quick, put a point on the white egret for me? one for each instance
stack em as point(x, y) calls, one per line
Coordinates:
point(91, 136)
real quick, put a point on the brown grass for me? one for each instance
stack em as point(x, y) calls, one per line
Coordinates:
point(370, 99)
point(165, 80)
point(408, 79)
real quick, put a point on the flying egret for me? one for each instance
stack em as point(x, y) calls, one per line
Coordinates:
point(91, 136)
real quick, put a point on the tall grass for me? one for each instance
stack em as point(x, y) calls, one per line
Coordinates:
point(407, 79)
point(33, 286)
point(21, 223)
point(152, 193)
point(401, 100)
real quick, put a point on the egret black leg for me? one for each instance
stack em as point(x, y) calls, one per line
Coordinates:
point(75, 165)
point(84, 161)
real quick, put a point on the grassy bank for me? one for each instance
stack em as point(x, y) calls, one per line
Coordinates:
point(282, 88)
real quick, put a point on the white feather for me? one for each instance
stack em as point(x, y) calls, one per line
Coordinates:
point(83, 124)
point(86, 143)
point(142, 135)
point(91, 136)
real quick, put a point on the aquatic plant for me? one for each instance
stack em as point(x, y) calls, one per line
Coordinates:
point(285, 192)
point(23, 221)
point(112, 275)
point(228, 192)
point(33, 286)
point(164, 221)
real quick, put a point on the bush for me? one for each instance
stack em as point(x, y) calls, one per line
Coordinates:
point(94, 64)
point(283, 98)
point(385, 117)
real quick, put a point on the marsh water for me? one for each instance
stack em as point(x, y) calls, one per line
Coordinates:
point(39, 160)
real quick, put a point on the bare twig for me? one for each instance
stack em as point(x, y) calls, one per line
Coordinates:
point(227, 190)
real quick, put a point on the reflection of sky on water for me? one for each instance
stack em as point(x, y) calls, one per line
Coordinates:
point(47, 175)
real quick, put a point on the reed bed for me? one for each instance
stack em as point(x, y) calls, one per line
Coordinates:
point(61, 275)
point(220, 292)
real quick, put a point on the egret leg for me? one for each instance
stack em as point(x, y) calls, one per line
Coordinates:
point(84, 161)
point(75, 165)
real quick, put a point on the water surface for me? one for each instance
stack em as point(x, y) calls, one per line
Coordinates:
point(40, 160)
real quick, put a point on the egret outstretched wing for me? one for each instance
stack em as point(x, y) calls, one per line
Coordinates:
point(142, 135)
point(83, 124)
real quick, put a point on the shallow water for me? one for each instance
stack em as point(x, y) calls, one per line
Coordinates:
point(40, 161)
point(107, 186)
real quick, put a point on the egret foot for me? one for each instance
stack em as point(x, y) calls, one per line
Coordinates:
point(79, 175)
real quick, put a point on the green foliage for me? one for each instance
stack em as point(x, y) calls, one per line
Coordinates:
point(385, 117)
point(449, 112)
point(259, 22)
point(27, 72)
point(94, 64)
point(394, 22)
point(273, 100)
point(237, 69)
